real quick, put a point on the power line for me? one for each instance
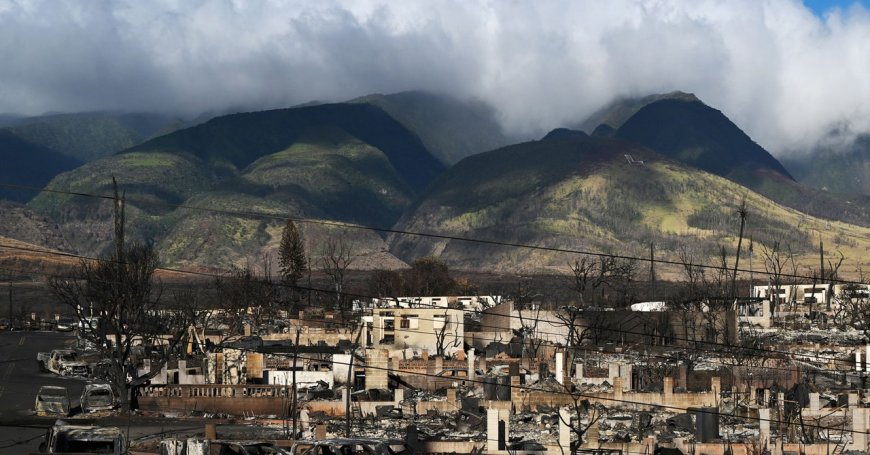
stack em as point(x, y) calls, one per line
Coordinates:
point(579, 395)
point(529, 388)
point(363, 296)
point(285, 217)
point(536, 320)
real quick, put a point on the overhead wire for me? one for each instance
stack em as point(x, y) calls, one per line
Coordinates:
point(568, 392)
point(534, 319)
point(285, 217)
point(581, 395)
point(363, 296)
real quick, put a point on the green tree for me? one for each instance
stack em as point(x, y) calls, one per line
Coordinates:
point(291, 254)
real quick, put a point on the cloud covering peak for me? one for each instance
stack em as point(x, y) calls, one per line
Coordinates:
point(785, 75)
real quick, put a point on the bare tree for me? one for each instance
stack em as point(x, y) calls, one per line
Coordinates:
point(245, 297)
point(693, 270)
point(579, 408)
point(442, 343)
point(118, 303)
point(529, 315)
point(594, 276)
point(775, 260)
point(336, 258)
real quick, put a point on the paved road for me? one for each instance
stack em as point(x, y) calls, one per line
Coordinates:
point(21, 431)
point(20, 379)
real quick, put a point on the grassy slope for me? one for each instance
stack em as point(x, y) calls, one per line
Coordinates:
point(703, 137)
point(28, 164)
point(581, 193)
point(324, 172)
point(450, 128)
point(313, 178)
point(17, 261)
point(22, 223)
point(240, 139)
point(151, 182)
point(325, 169)
point(846, 171)
point(89, 136)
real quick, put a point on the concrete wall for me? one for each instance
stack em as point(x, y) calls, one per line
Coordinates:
point(524, 398)
point(423, 330)
point(303, 378)
point(311, 336)
point(654, 328)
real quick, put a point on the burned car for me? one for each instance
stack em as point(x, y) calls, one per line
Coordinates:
point(52, 400)
point(97, 397)
point(63, 362)
point(203, 446)
point(351, 446)
point(65, 438)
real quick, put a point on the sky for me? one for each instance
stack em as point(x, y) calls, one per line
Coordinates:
point(791, 74)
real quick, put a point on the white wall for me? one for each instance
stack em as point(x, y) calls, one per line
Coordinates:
point(303, 378)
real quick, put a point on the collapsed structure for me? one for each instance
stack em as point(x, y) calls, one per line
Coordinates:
point(459, 374)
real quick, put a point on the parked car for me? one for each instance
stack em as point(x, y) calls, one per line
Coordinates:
point(97, 397)
point(52, 400)
point(66, 324)
point(65, 438)
point(351, 446)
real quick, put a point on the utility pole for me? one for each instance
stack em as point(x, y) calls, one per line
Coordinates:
point(751, 277)
point(349, 385)
point(742, 212)
point(295, 403)
point(10, 306)
point(119, 223)
point(652, 271)
point(821, 259)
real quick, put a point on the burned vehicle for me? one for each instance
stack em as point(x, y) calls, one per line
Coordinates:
point(64, 362)
point(97, 397)
point(65, 438)
point(203, 446)
point(351, 446)
point(52, 400)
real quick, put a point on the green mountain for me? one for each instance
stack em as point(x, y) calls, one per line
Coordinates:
point(693, 133)
point(28, 164)
point(91, 135)
point(612, 116)
point(23, 224)
point(451, 129)
point(573, 191)
point(235, 141)
point(350, 163)
point(841, 171)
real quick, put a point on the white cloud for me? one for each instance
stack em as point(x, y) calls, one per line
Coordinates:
point(783, 74)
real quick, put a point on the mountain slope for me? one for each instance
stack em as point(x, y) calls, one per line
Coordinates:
point(240, 139)
point(842, 171)
point(451, 129)
point(613, 115)
point(702, 137)
point(347, 163)
point(91, 135)
point(578, 192)
point(22, 223)
point(28, 164)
